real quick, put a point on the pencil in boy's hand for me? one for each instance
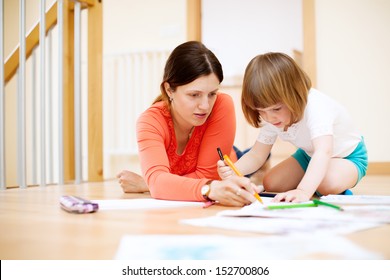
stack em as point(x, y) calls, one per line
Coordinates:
point(232, 166)
point(220, 153)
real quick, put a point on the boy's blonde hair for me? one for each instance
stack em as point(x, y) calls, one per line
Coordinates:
point(274, 78)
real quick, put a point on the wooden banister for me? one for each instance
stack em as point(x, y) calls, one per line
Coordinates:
point(95, 92)
point(32, 40)
point(95, 56)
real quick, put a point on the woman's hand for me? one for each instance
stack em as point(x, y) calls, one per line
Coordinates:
point(295, 195)
point(224, 170)
point(235, 191)
point(131, 182)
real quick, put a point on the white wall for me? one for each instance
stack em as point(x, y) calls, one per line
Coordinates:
point(130, 25)
point(238, 30)
point(353, 58)
point(134, 26)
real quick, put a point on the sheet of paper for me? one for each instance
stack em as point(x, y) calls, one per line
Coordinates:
point(279, 225)
point(142, 203)
point(365, 213)
point(220, 247)
point(357, 199)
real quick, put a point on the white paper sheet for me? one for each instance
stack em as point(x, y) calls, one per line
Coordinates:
point(357, 199)
point(364, 213)
point(219, 247)
point(279, 225)
point(143, 203)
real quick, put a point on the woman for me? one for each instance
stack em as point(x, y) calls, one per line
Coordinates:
point(179, 134)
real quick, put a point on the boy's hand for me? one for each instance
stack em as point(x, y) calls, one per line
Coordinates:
point(224, 170)
point(296, 195)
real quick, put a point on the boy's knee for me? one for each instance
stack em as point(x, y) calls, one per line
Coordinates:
point(267, 183)
point(326, 188)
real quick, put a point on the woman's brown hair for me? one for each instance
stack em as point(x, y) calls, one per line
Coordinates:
point(186, 63)
point(270, 79)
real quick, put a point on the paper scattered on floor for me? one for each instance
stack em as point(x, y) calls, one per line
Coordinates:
point(220, 247)
point(357, 199)
point(142, 203)
point(279, 225)
point(358, 214)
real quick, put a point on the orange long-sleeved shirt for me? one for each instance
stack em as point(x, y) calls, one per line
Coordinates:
point(180, 177)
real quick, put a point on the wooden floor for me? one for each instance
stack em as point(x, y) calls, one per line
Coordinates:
point(33, 226)
point(373, 185)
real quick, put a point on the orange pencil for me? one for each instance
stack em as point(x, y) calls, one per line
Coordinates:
point(232, 166)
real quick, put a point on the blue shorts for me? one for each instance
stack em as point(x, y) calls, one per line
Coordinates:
point(357, 157)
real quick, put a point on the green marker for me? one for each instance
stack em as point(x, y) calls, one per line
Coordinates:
point(291, 205)
point(319, 202)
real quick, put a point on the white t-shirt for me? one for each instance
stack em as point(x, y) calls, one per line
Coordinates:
point(322, 116)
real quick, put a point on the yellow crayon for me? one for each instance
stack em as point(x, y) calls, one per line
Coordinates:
point(232, 166)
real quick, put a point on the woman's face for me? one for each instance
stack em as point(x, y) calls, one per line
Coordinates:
point(192, 103)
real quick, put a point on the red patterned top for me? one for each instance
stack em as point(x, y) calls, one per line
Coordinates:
point(180, 177)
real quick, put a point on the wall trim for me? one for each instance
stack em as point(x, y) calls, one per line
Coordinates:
point(194, 20)
point(378, 168)
point(309, 56)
